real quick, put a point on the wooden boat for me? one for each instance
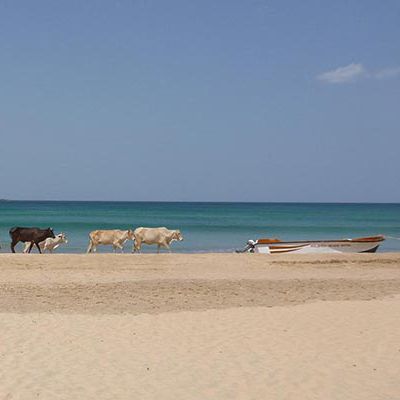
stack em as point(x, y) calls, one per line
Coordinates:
point(276, 246)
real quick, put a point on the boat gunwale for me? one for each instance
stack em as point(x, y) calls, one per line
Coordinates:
point(371, 239)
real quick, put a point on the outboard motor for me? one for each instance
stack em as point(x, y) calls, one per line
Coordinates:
point(250, 247)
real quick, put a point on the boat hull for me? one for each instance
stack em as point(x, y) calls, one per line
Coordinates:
point(361, 245)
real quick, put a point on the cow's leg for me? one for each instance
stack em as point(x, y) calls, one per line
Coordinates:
point(162, 244)
point(137, 245)
point(166, 246)
point(30, 247)
point(118, 245)
point(13, 244)
point(26, 248)
point(90, 247)
point(38, 247)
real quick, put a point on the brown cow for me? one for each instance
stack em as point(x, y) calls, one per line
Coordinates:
point(31, 235)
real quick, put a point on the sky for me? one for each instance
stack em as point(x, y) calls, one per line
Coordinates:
point(179, 100)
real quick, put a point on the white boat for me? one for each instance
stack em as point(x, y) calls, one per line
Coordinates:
point(276, 246)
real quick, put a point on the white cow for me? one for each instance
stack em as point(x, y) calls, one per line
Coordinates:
point(114, 237)
point(162, 237)
point(49, 244)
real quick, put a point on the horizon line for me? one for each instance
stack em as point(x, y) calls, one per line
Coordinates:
point(2, 200)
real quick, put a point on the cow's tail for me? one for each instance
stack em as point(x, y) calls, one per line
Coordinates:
point(12, 230)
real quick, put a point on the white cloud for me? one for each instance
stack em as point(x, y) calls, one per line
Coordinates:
point(353, 71)
point(388, 73)
point(349, 73)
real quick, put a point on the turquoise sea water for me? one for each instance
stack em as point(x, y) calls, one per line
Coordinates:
point(206, 227)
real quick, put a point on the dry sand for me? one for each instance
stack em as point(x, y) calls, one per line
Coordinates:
point(211, 326)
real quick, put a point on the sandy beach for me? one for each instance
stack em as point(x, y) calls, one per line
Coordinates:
point(200, 326)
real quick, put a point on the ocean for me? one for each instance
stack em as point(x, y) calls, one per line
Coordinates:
point(206, 227)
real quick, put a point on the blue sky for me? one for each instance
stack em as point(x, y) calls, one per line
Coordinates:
point(200, 100)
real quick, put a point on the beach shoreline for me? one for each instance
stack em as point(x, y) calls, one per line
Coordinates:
point(151, 283)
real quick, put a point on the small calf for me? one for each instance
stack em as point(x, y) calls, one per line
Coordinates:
point(50, 244)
